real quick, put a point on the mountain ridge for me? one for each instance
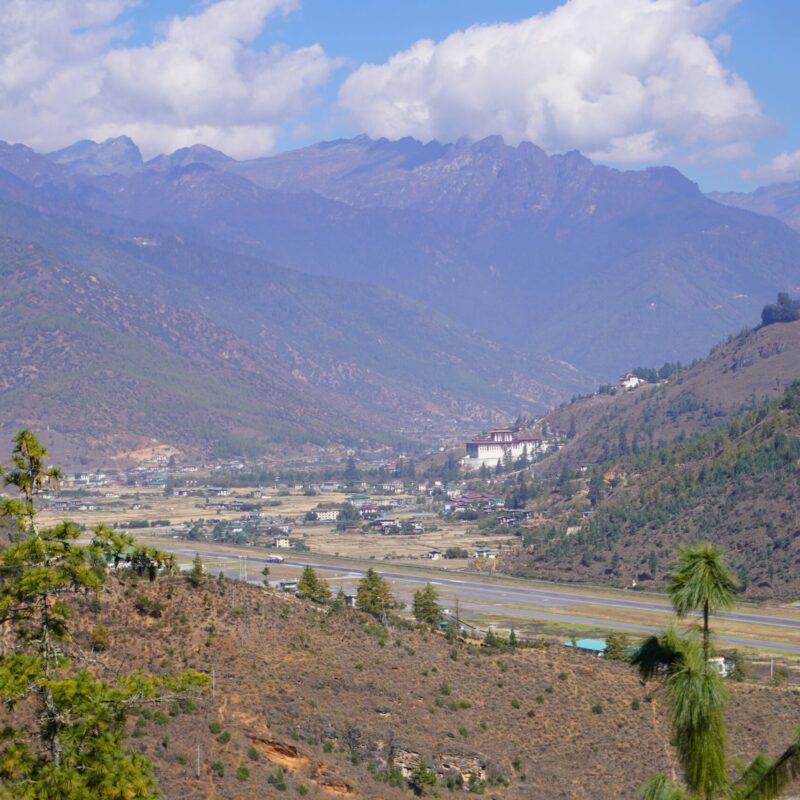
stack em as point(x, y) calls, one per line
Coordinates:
point(481, 230)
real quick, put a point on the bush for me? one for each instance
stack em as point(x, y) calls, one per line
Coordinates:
point(422, 777)
point(150, 608)
point(242, 773)
point(100, 638)
point(218, 768)
point(215, 727)
point(277, 780)
point(597, 708)
point(224, 737)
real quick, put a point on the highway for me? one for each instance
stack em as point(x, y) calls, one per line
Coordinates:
point(485, 597)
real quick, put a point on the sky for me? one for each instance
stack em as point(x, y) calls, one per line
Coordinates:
point(704, 85)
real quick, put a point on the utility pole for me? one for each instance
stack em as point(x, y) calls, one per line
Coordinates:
point(197, 763)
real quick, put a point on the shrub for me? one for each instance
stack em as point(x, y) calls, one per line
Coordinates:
point(327, 746)
point(150, 608)
point(242, 773)
point(515, 703)
point(252, 754)
point(422, 777)
point(215, 727)
point(277, 780)
point(218, 768)
point(224, 737)
point(597, 708)
point(100, 638)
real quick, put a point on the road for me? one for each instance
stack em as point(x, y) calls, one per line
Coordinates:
point(486, 597)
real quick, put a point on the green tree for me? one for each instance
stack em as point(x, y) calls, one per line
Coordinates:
point(312, 587)
point(617, 647)
point(351, 472)
point(197, 574)
point(348, 515)
point(784, 310)
point(30, 475)
point(373, 595)
point(596, 487)
point(67, 741)
point(426, 607)
point(701, 579)
point(422, 777)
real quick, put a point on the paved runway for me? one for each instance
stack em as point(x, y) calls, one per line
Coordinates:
point(486, 598)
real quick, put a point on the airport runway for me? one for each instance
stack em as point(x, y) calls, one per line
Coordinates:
point(485, 597)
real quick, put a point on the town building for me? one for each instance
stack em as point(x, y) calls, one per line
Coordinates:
point(630, 381)
point(500, 444)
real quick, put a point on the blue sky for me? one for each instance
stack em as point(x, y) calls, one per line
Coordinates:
point(706, 85)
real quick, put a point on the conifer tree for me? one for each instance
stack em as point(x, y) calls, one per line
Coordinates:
point(426, 607)
point(65, 740)
point(374, 596)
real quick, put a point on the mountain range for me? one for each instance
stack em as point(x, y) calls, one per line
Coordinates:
point(780, 200)
point(423, 286)
point(599, 267)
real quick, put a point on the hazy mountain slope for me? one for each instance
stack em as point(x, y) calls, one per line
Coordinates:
point(711, 454)
point(781, 200)
point(745, 372)
point(600, 267)
point(102, 367)
point(396, 364)
point(736, 485)
point(333, 702)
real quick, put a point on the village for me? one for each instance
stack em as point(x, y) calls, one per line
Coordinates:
point(457, 511)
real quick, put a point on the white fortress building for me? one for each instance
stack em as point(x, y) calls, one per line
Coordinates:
point(500, 444)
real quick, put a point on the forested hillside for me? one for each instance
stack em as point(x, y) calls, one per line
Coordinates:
point(737, 484)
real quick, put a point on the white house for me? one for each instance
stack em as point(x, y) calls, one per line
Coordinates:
point(485, 552)
point(282, 542)
point(327, 515)
point(630, 381)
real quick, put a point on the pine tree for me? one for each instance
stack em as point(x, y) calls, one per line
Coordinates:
point(426, 608)
point(373, 595)
point(198, 572)
point(68, 740)
point(312, 587)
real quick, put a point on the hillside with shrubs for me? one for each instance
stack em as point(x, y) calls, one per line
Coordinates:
point(620, 518)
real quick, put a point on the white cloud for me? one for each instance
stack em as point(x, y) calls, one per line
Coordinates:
point(784, 167)
point(622, 80)
point(67, 73)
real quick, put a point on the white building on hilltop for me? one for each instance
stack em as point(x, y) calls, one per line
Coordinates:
point(500, 444)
